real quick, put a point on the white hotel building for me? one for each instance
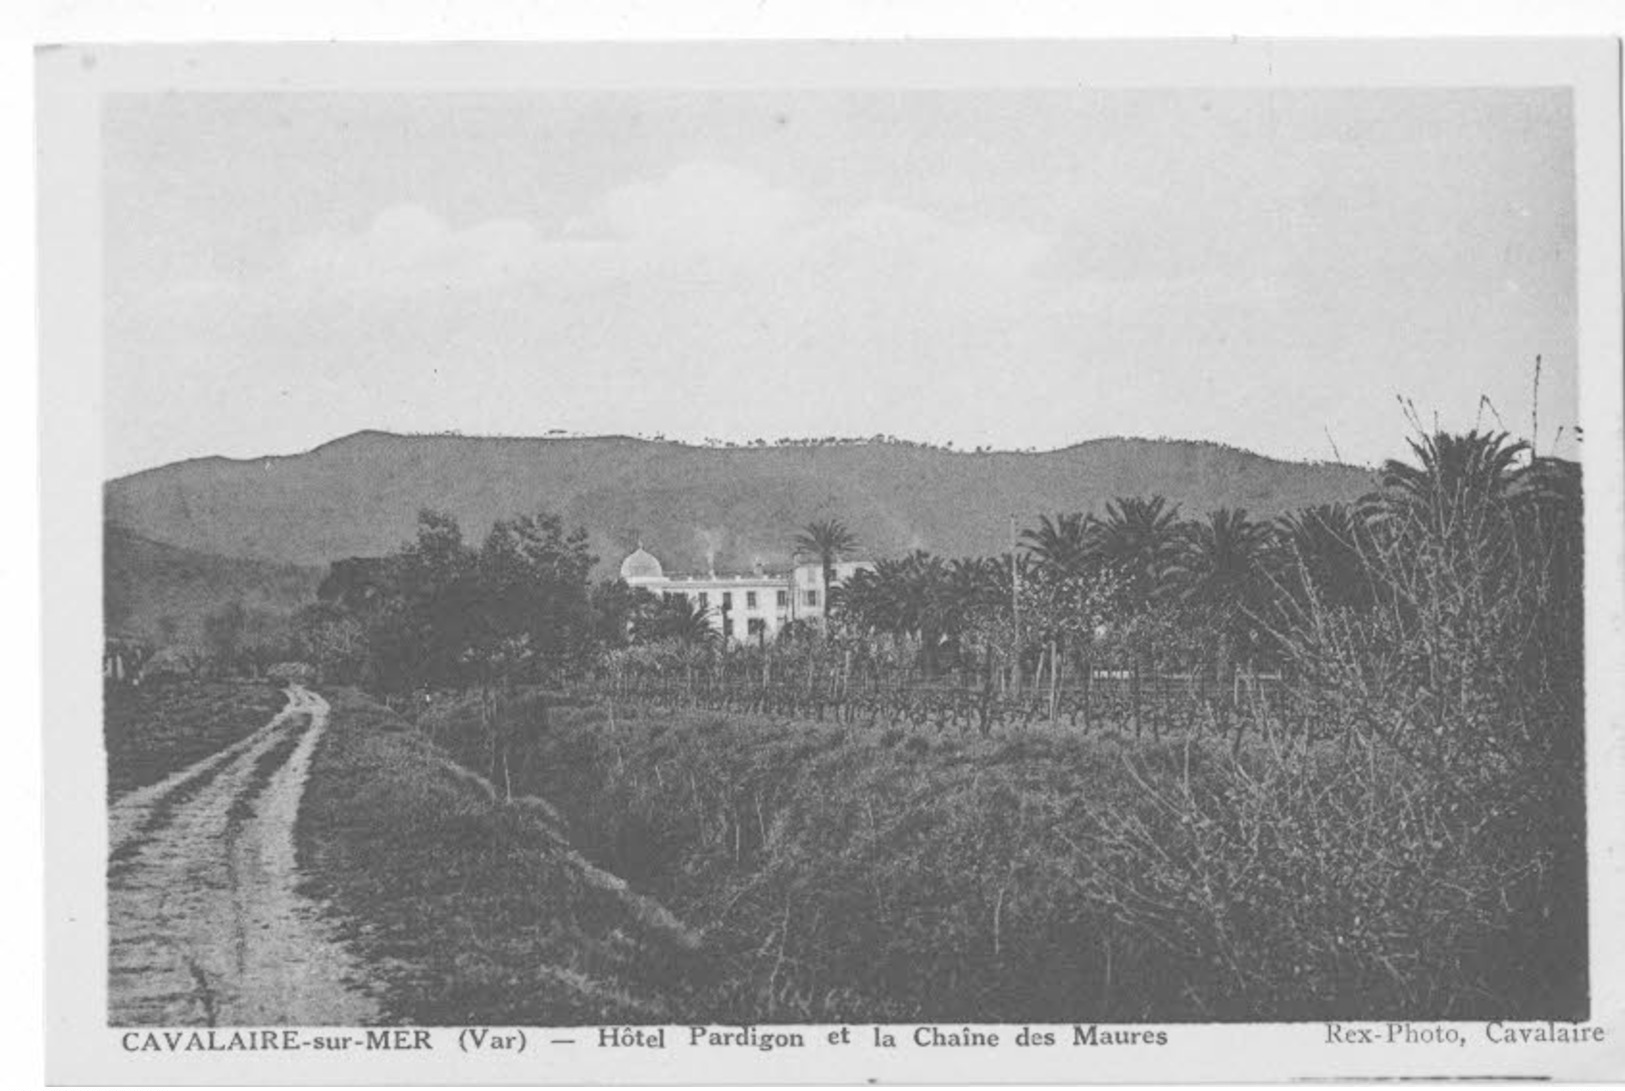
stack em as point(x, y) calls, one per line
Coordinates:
point(746, 607)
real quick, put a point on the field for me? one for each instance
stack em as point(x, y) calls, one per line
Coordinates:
point(153, 731)
point(844, 874)
point(510, 854)
point(698, 866)
point(466, 911)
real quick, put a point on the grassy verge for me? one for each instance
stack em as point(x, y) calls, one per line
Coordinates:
point(150, 732)
point(468, 910)
point(851, 875)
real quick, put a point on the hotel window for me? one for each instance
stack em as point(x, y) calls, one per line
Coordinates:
point(756, 626)
point(784, 599)
point(812, 598)
point(727, 600)
point(705, 599)
point(750, 600)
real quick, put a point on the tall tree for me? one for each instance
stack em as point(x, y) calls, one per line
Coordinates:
point(1472, 667)
point(223, 633)
point(1061, 544)
point(438, 616)
point(1134, 540)
point(1459, 493)
point(675, 618)
point(972, 584)
point(1325, 554)
point(617, 610)
point(1218, 568)
point(533, 583)
point(1220, 564)
point(827, 540)
point(332, 639)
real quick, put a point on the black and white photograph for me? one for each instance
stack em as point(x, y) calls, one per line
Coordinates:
point(681, 562)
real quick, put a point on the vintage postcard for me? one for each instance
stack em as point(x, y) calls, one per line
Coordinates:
point(975, 562)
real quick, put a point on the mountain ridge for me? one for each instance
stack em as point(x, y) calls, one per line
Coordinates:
point(693, 505)
point(805, 443)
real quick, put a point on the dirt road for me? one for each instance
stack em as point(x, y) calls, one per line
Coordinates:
point(206, 924)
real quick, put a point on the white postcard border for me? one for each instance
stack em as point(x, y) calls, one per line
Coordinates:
point(73, 79)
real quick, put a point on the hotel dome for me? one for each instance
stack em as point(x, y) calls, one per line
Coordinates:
point(641, 565)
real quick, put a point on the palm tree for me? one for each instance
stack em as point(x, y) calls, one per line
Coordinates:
point(827, 540)
point(675, 617)
point(863, 605)
point(1220, 564)
point(1551, 529)
point(1219, 568)
point(1061, 545)
point(972, 582)
point(1480, 549)
point(1134, 539)
point(965, 586)
point(1459, 485)
point(917, 595)
point(1005, 574)
point(1457, 512)
point(890, 598)
point(1325, 556)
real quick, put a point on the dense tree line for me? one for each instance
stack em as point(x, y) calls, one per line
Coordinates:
point(1472, 533)
point(1438, 620)
point(441, 613)
point(1472, 524)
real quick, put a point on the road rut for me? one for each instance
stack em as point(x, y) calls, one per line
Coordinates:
point(206, 923)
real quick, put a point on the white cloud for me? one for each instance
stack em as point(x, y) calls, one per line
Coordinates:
point(702, 209)
point(706, 219)
point(408, 248)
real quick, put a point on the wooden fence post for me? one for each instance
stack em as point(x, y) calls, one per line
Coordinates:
point(1159, 704)
point(1054, 681)
point(849, 709)
point(1088, 689)
point(1134, 695)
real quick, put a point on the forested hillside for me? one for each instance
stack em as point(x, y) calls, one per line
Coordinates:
point(165, 594)
point(691, 506)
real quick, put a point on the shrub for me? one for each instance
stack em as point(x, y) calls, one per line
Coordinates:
point(1292, 884)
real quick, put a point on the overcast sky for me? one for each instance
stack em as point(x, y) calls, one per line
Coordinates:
point(1014, 269)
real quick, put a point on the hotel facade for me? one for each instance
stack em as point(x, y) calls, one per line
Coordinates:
point(745, 607)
